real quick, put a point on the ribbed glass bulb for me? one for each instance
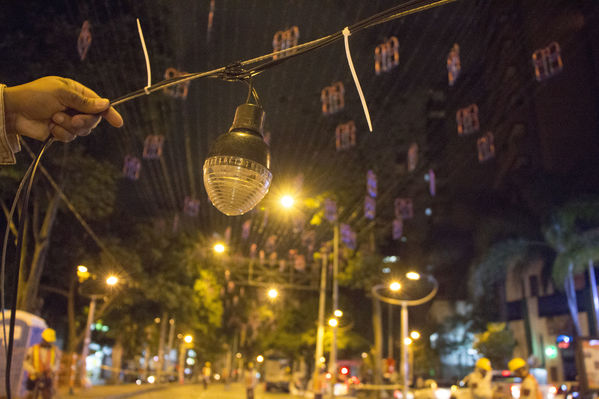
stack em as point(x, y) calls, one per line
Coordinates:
point(236, 175)
point(235, 185)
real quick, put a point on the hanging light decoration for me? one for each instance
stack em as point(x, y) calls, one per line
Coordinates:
point(236, 174)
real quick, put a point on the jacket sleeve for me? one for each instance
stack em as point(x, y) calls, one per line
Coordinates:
point(28, 363)
point(9, 142)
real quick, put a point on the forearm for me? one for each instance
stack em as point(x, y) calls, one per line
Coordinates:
point(9, 140)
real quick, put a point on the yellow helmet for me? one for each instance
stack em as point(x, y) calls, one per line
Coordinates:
point(516, 363)
point(49, 335)
point(484, 363)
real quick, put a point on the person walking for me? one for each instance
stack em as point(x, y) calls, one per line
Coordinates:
point(41, 363)
point(529, 389)
point(479, 381)
point(206, 373)
point(250, 381)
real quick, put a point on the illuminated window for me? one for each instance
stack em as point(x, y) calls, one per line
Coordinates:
point(245, 229)
point(348, 236)
point(330, 210)
point(179, 90)
point(84, 40)
point(486, 147)
point(299, 262)
point(191, 206)
point(309, 239)
point(369, 207)
point(284, 40)
point(397, 229)
point(386, 55)
point(412, 157)
point(404, 208)
point(547, 61)
point(271, 243)
point(210, 19)
point(332, 98)
point(371, 188)
point(432, 184)
point(453, 64)
point(345, 136)
point(467, 120)
point(153, 147)
point(131, 167)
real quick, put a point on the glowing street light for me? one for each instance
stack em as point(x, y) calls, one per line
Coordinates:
point(415, 334)
point(287, 201)
point(333, 322)
point(407, 341)
point(188, 339)
point(112, 280)
point(395, 286)
point(219, 248)
point(273, 293)
point(413, 276)
point(82, 273)
point(259, 358)
point(338, 313)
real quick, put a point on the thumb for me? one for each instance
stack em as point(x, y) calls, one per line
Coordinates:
point(84, 103)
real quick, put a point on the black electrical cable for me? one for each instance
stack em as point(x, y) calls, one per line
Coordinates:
point(5, 246)
point(22, 220)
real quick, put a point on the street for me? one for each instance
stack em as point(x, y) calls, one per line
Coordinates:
point(187, 391)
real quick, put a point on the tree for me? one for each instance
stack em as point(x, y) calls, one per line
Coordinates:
point(91, 192)
point(497, 344)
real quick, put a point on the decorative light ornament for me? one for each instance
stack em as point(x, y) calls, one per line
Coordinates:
point(236, 174)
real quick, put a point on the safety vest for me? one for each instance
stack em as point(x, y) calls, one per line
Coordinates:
point(47, 364)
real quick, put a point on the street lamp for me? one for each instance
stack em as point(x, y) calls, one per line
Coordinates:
point(333, 322)
point(112, 280)
point(404, 303)
point(338, 313)
point(83, 274)
point(273, 293)
point(395, 286)
point(183, 346)
point(287, 201)
point(414, 334)
point(219, 248)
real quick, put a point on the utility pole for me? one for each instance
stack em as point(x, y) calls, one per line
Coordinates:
point(88, 337)
point(333, 360)
point(161, 339)
point(404, 347)
point(320, 330)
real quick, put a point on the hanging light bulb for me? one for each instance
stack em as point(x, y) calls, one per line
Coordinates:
point(236, 174)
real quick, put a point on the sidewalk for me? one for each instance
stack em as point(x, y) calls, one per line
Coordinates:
point(110, 391)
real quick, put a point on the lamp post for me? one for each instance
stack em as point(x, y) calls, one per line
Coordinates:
point(320, 329)
point(183, 346)
point(395, 287)
point(110, 281)
point(333, 361)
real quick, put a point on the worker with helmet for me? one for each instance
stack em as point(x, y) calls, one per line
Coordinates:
point(530, 387)
point(479, 381)
point(41, 364)
point(250, 381)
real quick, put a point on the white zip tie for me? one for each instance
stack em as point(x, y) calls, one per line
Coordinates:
point(346, 34)
point(143, 45)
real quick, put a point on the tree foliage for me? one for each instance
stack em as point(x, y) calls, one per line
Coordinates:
point(497, 344)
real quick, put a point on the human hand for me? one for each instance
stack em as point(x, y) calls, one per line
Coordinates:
point(58, 106)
